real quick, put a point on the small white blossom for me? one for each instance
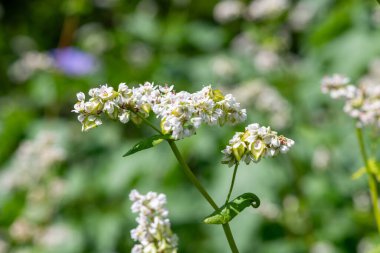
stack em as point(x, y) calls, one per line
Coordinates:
point(253, 144)
point(301, 15)
point(337, 86)
point(266, 99)
point(153, 232)
point(81, 96)
point(227, 10)
point(266, 60)
point(263, 9)
point(55, 236)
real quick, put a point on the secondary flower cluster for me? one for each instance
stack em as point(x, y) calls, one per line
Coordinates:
point(253, 144)
point(361, 102)
point(153, 231)
point(180, 113)
point(32, 161)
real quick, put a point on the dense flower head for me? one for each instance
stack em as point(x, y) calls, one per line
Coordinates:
point(253, 144)
point(31, 162)
point(362, 102)
point(180, 113)
point(263, 9)
point(337, 86)
point(153, 232)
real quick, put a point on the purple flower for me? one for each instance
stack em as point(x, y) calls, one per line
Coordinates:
point(74, 62)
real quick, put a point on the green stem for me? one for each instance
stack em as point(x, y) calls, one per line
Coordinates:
point(232, 182)
point(197, 184)
point(147, 122)
point(371, 178)
point(230, 238)
point(190, 174)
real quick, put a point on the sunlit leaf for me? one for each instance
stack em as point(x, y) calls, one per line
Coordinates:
point(374, 168)
point(357, 174)
point(147, 143)
point(230, 210)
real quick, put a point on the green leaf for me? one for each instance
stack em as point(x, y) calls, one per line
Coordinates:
point(148, 143)
point(230, 210)
point(374, 169)
point(357, 174)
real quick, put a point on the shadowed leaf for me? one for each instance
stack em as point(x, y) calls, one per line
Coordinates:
point(230, 210)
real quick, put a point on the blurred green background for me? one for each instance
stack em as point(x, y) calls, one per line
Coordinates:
point(65, 191)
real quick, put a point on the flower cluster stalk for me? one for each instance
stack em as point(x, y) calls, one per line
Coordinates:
point(371, 177)
point(202, 190)
point(232, 183)
point(197, 184)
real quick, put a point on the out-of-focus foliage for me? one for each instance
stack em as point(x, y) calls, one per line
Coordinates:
point(65, 191)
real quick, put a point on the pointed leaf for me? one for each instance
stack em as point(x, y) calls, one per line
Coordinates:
point(147, 143)
point(230, 210)
point(357, 174)
point(374, 169)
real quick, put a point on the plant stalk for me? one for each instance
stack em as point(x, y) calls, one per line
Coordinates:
point(197, 184)
point(371, 177)
point(232, 183)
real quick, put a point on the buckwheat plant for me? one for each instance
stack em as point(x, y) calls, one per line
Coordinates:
point(362, 103)
point(180, 114)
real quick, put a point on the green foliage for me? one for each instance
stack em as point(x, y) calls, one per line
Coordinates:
point(147, 143)
point(230, 210)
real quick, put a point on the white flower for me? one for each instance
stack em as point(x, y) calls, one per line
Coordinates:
point(262, 9)
point(166, 89)
point(337, 86)
point(105, 92)
point(124, 117)
point(227, 10)
point(81, 96)
point(266, 60)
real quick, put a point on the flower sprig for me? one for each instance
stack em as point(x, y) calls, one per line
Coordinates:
point(180, 113)
point(153, 232)
point(253, 144)
point(362, 102)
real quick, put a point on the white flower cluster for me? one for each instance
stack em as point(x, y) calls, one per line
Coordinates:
point(361, 102)
point(180, 113)
point(229, 10)
point(338, 86)
point(31, 162)
point(153, 231)
point(265, 99)
point(253, 144)
point(261, 9)
point(28, 64)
